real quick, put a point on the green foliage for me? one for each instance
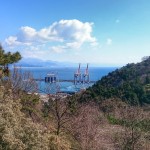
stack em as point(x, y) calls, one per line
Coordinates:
point(30, 99)
point(129, 83)
point(8, 58)
point(5, 59)
point(73, 104)
point(114, 120)
point(45, 110)
point(20, 133)
point(143, 125)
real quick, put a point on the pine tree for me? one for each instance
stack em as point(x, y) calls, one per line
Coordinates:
point(8, 58)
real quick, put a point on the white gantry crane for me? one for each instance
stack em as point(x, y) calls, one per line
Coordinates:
point(85, 76)
point(77, 76)
point(82, 78)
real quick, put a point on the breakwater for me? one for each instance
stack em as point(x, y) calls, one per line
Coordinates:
point(62, 80)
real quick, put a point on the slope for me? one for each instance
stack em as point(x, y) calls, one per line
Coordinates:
point(130, 83)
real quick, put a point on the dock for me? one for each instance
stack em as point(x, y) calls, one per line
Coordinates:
point(79, 77)
point(63, 80)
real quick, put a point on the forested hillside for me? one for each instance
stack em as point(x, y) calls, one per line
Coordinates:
point(130, 83)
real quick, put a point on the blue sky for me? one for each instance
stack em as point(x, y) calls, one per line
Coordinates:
point(102, 32)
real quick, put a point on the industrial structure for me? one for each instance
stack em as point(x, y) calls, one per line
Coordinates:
point(51, 78)
point(52, 83)
point(85, 76)
point(81, 78)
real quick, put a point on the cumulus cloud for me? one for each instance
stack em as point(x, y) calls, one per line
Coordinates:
point(34, 54)
point(12, 40)
point(34, 51)
point(62, 48)
point(109, 41)
point(72, 33)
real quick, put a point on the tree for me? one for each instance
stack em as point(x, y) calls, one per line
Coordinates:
point(8, 58)
point(19, 133)
point(145, 58)
point(60, 110)
point(58, 106)
point(85, 126)
point(135, 132)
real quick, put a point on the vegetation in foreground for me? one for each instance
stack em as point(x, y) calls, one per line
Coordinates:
point(27, 123)
point(112, 126)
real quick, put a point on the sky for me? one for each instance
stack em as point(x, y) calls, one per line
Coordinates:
point(99, 32)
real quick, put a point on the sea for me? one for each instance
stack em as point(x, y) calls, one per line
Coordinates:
point(66, 73)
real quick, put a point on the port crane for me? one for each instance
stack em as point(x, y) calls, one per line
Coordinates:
point(77, 75)
point(82, 78)
point(85, 76)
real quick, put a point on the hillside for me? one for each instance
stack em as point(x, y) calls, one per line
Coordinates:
point(17, 132)
point(27, 122)
point(130, 83)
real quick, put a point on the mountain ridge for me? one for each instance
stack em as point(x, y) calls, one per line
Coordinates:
point(34, 62)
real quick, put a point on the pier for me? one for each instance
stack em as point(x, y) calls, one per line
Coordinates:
point(61, 80)
point(79, 78)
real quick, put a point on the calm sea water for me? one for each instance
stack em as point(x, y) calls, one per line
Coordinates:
point(96, 73)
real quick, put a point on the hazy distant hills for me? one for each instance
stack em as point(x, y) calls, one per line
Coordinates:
point(33, 62)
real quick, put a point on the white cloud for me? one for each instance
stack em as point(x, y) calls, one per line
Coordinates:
point(12, 40)
point(109, 41)
point(57, 49)
point(73, 45)
point(63, 48)
point(72, 33)
point(35, 52)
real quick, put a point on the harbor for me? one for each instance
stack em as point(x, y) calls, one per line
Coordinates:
point(66, 80)
point(82, 78)
point(80, 81)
